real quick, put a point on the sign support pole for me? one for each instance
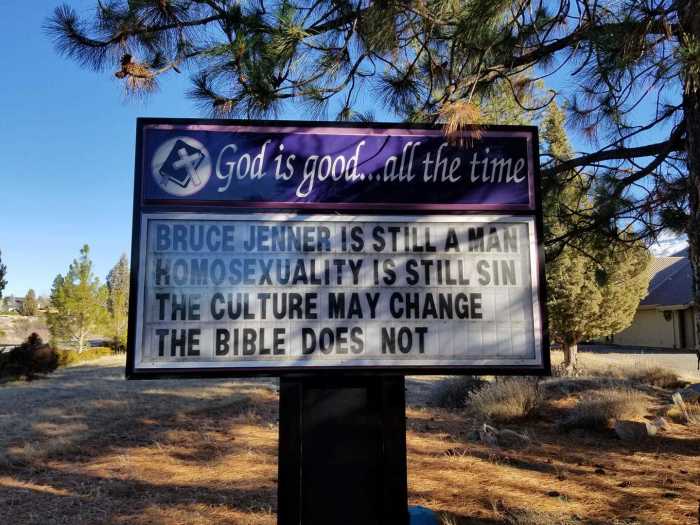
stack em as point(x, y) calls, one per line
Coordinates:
point(342, 450)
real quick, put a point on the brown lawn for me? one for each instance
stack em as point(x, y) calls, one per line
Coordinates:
point(85, 446)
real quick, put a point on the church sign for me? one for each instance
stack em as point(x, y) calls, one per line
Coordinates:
point(277, 247)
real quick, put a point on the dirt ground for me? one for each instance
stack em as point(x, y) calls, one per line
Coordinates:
point(84, 446)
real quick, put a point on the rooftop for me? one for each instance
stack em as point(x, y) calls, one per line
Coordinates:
point(671, 282)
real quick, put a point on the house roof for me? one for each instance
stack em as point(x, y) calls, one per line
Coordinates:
point(671, 282)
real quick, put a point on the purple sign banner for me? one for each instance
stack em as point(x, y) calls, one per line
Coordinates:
point(285, 165)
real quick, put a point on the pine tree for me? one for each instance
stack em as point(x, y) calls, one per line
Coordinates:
point(593, 287)
point(118, 300)
point(439, 61)
point(435, 62)
point(29, 305)
point(78, 303)
point(3, 273)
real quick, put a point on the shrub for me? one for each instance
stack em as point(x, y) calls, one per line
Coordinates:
point(654, 376)
point(599, 409)
point(638, 371)
point(454, 391)
point(31, 358)
point(72, 357)
point(646, 374)
point(506, 400)
point(118, 347)
point(67, 357)
point(557, 387)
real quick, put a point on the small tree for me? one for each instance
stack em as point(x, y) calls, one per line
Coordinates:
point(589, 299)
point(30, 304)
point(594, 286)
point(118, 300)
point(77, 303)
point(3, 273)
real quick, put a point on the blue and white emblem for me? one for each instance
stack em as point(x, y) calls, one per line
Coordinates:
point(181, 166)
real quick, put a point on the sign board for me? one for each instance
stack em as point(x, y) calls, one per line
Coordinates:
point(270, 248)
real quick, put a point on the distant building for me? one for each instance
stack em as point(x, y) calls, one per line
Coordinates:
point(665, 317)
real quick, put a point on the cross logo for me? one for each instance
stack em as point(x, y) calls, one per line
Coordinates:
point(190, 163)
point(181, 166)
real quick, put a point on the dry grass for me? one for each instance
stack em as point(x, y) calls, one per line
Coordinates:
point(453, 392)
point(532, 517)
point(654, 376)
point(510, 399)
point(90, 400)
point(647, 374)
point(660, 369)
point(598, 409)
point(564, 478)
point(68, 357)
point(565, 386)
point(86, 447)
point(678, 416)
point(684, 411)
point(16, 328)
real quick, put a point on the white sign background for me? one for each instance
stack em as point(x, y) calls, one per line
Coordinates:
point(498, 323)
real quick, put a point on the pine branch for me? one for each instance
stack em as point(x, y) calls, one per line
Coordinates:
point(320, 28)
point(621, 184)
point(675, 143)
point(71, 38)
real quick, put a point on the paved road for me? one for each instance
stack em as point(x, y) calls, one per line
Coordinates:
point(683, 363)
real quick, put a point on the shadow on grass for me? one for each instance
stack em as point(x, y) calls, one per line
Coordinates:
point(195, 452)
point(56, 496)
point(89, 447)
point(576, 477)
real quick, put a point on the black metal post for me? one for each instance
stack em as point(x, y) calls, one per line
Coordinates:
point(342, 451)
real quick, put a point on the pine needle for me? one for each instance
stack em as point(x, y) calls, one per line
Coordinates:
point(457, 116)
point(138, 77)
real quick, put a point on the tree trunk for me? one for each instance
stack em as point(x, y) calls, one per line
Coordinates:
point(570, 355)
point(690, 21)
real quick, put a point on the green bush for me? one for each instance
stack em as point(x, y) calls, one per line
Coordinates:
point(71, 357)
point(30, 359)
point(507, 400)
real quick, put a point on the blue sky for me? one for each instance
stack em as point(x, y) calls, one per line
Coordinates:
point(67, 142)
point(67, 147)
